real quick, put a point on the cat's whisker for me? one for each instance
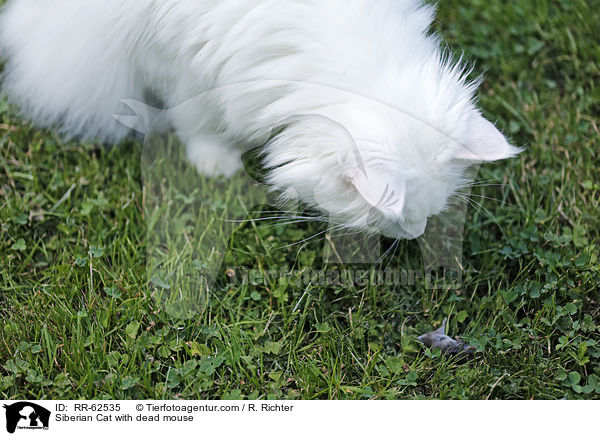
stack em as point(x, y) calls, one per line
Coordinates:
point(465, 201)
point(491, 198)
point(393, 254)
point(339, 226)
point(272, 218)
point(479, 207)
point(487, 185)
point(382, 257)
point(393, 247)
point(483, 197)
point(289, 212)
point(277, 217)
point(478, 182)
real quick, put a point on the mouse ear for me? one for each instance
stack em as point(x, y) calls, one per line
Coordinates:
point(484, 143)
point(374, 187)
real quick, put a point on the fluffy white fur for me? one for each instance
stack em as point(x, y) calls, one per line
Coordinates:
point(374, 124)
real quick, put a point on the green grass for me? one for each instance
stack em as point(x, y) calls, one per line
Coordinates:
point(85, 312)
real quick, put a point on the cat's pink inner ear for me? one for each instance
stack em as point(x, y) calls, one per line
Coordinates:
point(484, 143)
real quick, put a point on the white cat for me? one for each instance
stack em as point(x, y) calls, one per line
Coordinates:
point(356, 90)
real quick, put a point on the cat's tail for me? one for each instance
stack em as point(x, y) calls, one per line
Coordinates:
point(69, 63)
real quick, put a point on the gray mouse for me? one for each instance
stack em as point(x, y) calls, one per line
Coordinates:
point(438, 339)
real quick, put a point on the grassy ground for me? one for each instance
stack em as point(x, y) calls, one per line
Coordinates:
point(83, 316)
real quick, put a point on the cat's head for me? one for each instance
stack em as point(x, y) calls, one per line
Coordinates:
point(376, 173)
point(368, 164)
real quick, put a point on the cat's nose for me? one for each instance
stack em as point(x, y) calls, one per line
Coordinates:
point(413, 229)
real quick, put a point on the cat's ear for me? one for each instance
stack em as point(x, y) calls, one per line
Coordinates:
point(377, 190)
point(484, 143)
